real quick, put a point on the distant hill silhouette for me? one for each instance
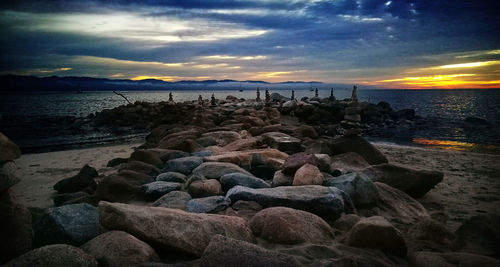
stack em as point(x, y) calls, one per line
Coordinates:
point(18, 83)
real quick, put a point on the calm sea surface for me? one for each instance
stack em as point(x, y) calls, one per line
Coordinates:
point(32, 119)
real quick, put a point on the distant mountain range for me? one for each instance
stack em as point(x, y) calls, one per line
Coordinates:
point(54, 83)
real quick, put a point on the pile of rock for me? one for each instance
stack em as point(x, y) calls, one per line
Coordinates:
point(247, 190)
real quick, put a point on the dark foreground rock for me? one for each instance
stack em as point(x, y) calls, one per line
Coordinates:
point(481, 235)
point(173, 200)
point(327, 202)
point(358, 145)
point(431, 259)
point(70, 224)
point(166, 228)
point(117, 248)
point(55, 255)
point(290, 226)
point(358, 186)
point(84, 179)
point(211, 204)
point(230, 180)
point(224, 251)
point(415, 183)
point(9, 150)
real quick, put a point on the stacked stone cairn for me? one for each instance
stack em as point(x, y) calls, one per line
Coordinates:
point(352, 117)
point(258, 95)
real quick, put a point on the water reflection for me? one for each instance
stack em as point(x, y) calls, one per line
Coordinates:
point(457, 146)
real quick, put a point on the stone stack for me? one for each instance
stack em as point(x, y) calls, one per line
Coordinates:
point(15, 224)
point(352, 119)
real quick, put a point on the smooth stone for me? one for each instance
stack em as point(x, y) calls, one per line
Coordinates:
point(282, 142)
point(308, 175)
point(433, 231)
point(215, 170)
point(8, 175)
point(415, 183)
point(202, 153)
point(348, 162)
point(233, 179)
point(205, 188)
point(139, 166)
point(84, 179)
point(155, 190)
point(175, 177)
point(281, 179)
point(147, 156)
point(118, 248)
point(376, 232)
point(118, 188)
point(229, 252)
point(272, 157)
point(327, 202)
point(358, 186)
point(206, 141)
point(183, 165)
point(211, 204)
point(283, 225)
point(60, 199)
point(72, 224)
point(223, 137)
point(55, 255)
point(297, 160)
point(8, 150)
point(359, 145)
point(166, 228)
point(173, 200)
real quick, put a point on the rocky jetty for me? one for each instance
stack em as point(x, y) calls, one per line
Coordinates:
point(244, 182)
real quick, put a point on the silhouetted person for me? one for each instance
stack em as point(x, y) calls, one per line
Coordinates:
point(354, 96)
point(293, 95)
point(212, 101)
point(316, 92)
point(331, 93)
point(170, 97)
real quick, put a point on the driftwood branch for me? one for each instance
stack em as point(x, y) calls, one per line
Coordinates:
point(122, 96)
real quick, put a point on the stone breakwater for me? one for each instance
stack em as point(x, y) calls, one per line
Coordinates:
point(236, 183)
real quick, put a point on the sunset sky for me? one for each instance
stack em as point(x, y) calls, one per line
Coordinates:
point(384, 44)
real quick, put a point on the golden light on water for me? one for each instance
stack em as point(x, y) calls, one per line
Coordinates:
point(454, 145)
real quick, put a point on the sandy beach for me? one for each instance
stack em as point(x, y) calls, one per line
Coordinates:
point(39, 172)
point(471, 183)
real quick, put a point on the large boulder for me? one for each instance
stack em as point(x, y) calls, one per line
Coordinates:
point(308, 174)
point(281, 179)
point(117, 188)
point(429, 230)
point(290, 226)
point(70, 224)
point(297, 160)
point(411, 181)
point(205, 188)
point(183, 165)
point(166, 228)
point(175, 177)
point(272, 157)
point(173, 200)
point(431, 259)
point(233, 179)
point(15, 228)
point(147, 156)
point(377, 232)
point(84, 179)
point(215, 170)
point(327, 202)
point(139, 166)
point(481, 235)
point(358, 186)
point(55, 255)
point(359, 145)
point(348, 162)
point(398, 207)
point(8, 150)
point(118, 248)
point(282, 142)
point(223, 138)
point(155, 190)
point(211, 204)
point(229, 252)
point(8, 176)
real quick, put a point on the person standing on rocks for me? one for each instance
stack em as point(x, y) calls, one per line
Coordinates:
point(293, 95)
point(170, 97)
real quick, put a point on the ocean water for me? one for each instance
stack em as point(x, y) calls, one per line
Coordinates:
point(34, 119)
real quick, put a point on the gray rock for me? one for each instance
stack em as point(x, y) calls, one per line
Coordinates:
point(282, 142)
point(233, 179)
point(223, 251)
point(206, 141)
point(211, 204)
point(173, 200)
point(223, 137)
point(70, 224)
point(348, 162)
point(415, 183)
point(155, 190)
point(60, 199)
point(205, 188)
point(8, 150)
point(324, 162)
point(175, 177)
point(215, 170)
point(117, 248)
point(327, 202)
point(358, 186)
point(8, 176)
point(202, 153)
point(147, 156)
point(55, 255)
point(297, 160)
point(377, 232)
point(281, 179)
point(166, 228)
point(183, 165)
point(139, 166)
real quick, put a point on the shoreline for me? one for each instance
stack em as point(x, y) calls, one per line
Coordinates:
point(470, 185)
